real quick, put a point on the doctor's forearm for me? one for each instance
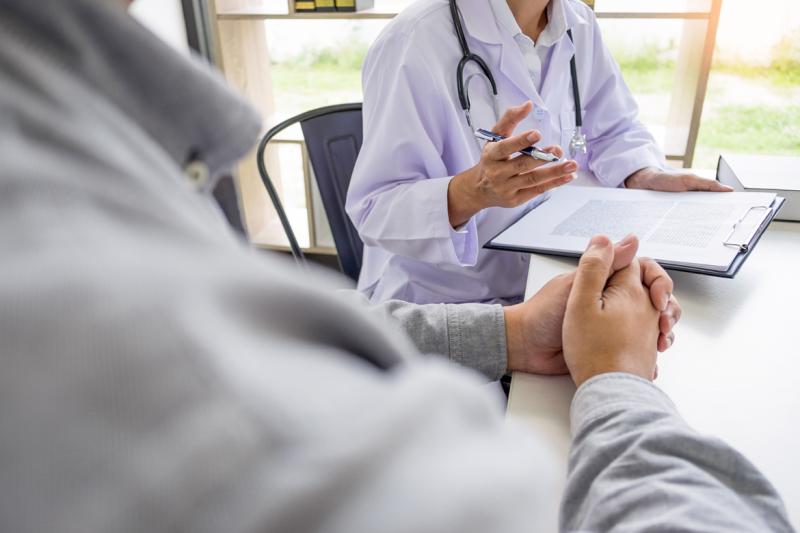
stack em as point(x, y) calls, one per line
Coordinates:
point(656, 179)
point(635, 180)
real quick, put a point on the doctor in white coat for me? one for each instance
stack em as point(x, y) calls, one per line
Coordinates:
point(425, 195)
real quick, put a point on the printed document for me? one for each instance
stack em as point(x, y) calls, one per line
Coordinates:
point(697, 229)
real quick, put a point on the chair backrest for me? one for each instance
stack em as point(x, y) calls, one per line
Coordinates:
point(226, 195)
point(333, 136)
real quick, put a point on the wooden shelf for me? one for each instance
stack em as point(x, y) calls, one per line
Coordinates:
point(367, 15)
point(694, 15)
point(319, 250)
point(327, 15)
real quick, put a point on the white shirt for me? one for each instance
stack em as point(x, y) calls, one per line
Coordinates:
point(535, 54)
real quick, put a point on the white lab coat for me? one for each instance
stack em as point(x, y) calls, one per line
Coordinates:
point(416, 138)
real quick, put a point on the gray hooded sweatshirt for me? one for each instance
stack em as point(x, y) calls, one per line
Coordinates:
point(157, 375)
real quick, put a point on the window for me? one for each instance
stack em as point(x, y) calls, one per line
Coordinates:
point(290, 62)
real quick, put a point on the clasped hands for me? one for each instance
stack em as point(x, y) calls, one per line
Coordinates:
point(613, 314)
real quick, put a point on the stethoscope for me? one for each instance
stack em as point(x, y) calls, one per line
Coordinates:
point(577, 145)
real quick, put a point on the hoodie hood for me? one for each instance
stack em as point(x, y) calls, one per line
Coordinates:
point(184, 105)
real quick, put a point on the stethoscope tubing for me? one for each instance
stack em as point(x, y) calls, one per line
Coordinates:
point(468, 57)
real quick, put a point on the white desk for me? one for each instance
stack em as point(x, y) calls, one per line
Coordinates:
point(734, 371)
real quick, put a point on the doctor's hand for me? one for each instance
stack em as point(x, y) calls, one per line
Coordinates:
point(534, 327)
point(656, 179)
point(611, 324)
point(501, 179)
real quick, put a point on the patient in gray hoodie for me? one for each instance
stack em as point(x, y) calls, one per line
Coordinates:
point(158, 375)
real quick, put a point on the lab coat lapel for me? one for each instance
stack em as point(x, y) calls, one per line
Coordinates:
point(480, 24)
point(556, 85)
point(513, 67)
point(557, 82)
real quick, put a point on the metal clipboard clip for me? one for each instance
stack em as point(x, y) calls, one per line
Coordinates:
point(743, 244)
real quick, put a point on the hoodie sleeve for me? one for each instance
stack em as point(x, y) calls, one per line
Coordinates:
point(472, 335)
point(636, 465)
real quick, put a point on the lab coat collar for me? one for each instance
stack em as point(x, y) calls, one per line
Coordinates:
point(183, 105)
point(556, 25)
point(556, 85)
point(481, 23)
point(558, 79)
point(505, 18)
point(572, 14)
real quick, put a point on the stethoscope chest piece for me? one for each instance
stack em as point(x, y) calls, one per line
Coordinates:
point(577, 145)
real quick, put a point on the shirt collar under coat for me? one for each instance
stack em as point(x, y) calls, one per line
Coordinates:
point(185, 106)
point(552, 33)
point(481, 24)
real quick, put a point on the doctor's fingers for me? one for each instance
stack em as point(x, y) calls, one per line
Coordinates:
point(509, 168)
point(502, 150)
point(525, 195)
point(543, 173)
point(696, 183)
point(511, 119)
point(555, 150)
point(523, 164)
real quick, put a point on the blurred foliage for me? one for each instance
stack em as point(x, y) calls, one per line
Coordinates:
point(750, 129)
point(322, 76)
point(786, 58)
point(782, 69)
point(349, 56)
point(648, 69)
point(648, 57)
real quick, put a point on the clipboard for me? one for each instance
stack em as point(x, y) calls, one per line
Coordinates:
point(746, 244)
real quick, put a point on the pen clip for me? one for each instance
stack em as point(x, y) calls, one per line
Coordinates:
point(532, 151)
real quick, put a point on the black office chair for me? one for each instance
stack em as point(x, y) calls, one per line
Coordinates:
point(226, 196)
point(333, 137)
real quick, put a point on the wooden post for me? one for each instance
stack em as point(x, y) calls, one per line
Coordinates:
point(702, 81)
point(246, 63)
point(691, 80)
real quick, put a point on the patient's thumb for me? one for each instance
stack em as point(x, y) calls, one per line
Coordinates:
point(593, 272)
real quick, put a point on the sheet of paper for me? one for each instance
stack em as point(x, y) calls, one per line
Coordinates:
point(673, 228)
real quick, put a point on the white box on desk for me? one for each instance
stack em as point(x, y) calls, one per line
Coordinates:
point(764, 173)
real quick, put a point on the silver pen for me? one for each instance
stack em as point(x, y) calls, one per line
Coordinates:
point(532, 151)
